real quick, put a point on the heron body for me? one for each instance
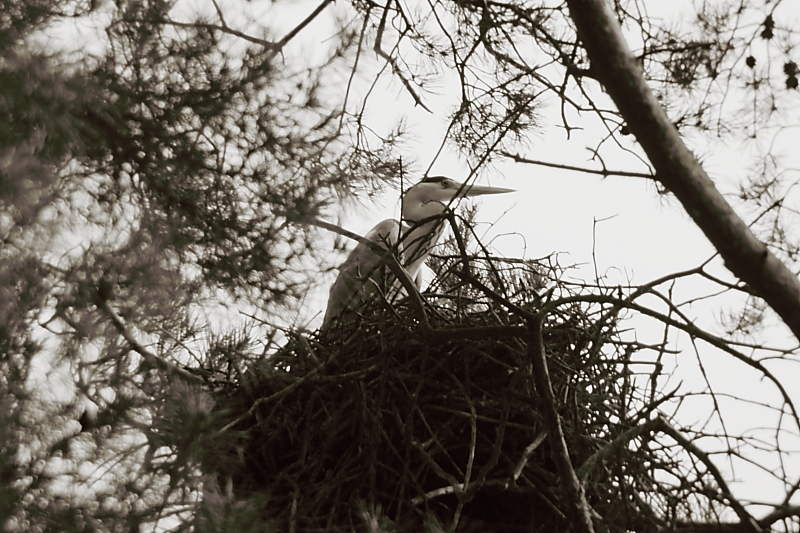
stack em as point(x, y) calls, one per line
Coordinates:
point(361, 276)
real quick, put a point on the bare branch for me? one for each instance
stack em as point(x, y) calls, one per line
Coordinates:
point(278, 46)
point(780, 513)
point(604, 172)
point(391, 261)
point(270, 45)
point(151, 358)
point(527, 453)
point(275, 46)
point(688, 445)
point(393, 61)
point(219, 12)
point(570, 483)
point(689, 328)
point(676, 167)
point(621, 440)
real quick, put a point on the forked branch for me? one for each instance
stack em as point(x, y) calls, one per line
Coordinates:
point(676, 167)
point(378, 48)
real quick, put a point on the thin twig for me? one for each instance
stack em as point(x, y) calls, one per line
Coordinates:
point(275, 46)
point(527, 453)
point(219, 12)
point(621, 440)
point(393, 61)
point(270, 45)
point(747, 519)
point(687, 327)
point(122, 329)
point(604, 172)
point(394, 265)
point(278, 46)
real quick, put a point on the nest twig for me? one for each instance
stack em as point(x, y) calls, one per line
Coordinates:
point(432, 428)
point(510, 405)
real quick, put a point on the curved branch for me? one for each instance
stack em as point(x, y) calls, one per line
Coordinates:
point(378, 49)
point(747, 520)
point(570, 483)
point(676, 167)
point(151, 358)
point(689, 328)
point(275, 46)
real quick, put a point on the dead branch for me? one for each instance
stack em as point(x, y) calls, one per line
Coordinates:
point(570, 483)
point(603, 172)
point(392, 61)
point(676, 167)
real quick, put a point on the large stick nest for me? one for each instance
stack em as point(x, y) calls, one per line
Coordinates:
point(377, 425)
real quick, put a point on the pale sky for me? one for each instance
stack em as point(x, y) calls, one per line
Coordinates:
point(638, 236)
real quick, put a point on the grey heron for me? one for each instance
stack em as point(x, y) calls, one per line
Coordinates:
point(412, 239)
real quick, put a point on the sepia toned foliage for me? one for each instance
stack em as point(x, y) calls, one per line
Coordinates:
point(159, 195)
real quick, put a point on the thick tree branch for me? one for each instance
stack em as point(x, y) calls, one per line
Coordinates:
point(676, 167)
point(573, 489)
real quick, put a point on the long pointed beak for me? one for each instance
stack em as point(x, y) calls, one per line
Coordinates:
point(478, 190)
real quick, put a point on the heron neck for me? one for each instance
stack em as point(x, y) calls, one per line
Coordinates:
point(422, 219)
point(422, 229)
point(415, 209)
point(419, 239)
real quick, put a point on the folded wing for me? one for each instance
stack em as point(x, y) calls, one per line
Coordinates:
point(361, 275)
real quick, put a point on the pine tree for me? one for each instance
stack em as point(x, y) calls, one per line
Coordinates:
point(161, 207)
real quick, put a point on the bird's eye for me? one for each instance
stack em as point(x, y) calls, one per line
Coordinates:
point(446, 184)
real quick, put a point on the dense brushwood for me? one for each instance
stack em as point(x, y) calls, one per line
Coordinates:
point(374, 420)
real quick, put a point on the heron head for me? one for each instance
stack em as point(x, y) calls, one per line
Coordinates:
point(432, 194)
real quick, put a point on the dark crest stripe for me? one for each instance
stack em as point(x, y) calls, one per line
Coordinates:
point(433, 179)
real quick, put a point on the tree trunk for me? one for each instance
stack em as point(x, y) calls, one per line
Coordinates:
point(676, 167)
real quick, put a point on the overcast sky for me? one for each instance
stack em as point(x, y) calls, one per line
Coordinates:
point(632, 233)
